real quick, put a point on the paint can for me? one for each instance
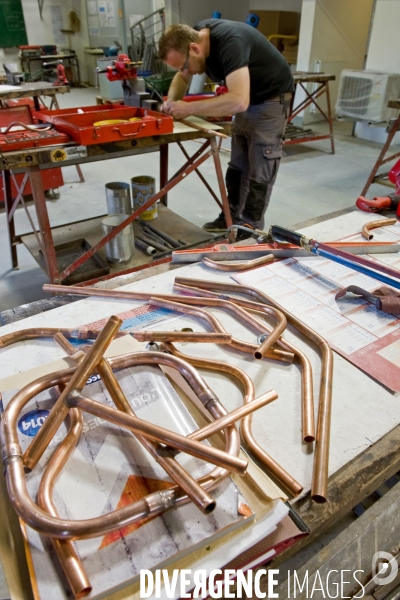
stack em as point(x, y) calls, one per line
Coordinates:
point(143, 188)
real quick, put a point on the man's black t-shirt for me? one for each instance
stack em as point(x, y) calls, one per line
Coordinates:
point(234, 45)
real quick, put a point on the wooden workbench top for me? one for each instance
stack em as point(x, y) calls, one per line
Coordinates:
point(302, 77)
point(36, 88)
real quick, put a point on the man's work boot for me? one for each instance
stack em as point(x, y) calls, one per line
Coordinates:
point(217, 226)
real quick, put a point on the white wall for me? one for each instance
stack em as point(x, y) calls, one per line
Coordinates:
point(333, 37)
point(286, 5)
point(383, 55)
point(40, 32)
point(189, 12)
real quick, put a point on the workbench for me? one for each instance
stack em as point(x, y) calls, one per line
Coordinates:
point(393, 128)
point(362, 457)
point(32, 161)
point(295, 135)
point(35, 90)
point(70, 58)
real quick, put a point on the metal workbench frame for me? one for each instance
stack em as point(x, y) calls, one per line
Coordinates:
point(33, 160)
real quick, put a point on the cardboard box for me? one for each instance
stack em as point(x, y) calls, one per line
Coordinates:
point(278, 22)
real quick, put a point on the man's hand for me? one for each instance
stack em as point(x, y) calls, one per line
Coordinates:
point(177, 108)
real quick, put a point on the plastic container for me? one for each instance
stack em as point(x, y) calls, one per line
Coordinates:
point(159, 81)
point(143, 187)
point(121, 249)
point(118, 198)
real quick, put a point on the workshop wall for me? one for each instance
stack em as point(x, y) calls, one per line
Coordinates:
point(46, 30)
point(187, 11)
point(333, 37)
point(383, 55)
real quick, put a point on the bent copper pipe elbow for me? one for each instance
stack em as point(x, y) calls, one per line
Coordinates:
point(366, 230)
point(243, 265)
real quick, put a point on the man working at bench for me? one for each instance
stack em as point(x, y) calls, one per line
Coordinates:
point(260, 87)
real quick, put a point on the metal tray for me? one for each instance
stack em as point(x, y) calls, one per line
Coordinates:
point(80, 125)
point(67, 253)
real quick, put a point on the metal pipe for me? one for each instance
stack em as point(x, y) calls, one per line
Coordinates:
point(60, 410)
point(67, 555)
point(44, 332)
point(268, 463)
point(321, 456)
point(308, 426)
point(182, 336)
point(181, 304)
point(235, 266)
point(175, 243)
point(366, 230)
point(150, 233)
point(152, 505)
point(150, 250)
point(152, 242)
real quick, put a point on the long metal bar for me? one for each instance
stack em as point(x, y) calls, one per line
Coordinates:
point(321, 456)
point(10, 219)
point(201, 176)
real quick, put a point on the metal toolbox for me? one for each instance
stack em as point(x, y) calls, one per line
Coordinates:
point(83, 124)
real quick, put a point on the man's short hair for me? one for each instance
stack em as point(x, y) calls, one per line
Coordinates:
point(177, 37)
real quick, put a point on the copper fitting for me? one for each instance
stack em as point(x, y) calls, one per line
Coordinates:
point(267, 462)
point(366, 230)
point(244, 265)
point(308, 426)
point(321, 456)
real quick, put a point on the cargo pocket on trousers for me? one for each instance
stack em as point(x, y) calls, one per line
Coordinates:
point(273, 157)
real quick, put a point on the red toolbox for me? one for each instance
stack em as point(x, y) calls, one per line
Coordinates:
point(107, 123)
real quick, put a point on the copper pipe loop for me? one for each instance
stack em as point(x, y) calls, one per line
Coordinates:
point(366, 230)
point(243, 265)
point(44, 332)
point(308, 426)
point(266, 461)
point(319, 484)
point(155, 503)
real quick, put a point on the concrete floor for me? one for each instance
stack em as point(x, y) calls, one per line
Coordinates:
point(311, 182)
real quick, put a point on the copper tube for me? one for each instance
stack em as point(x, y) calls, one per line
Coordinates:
point(265, 348)
point(319, 484)
point(181, 336)
point(152, 505)
point(268, 463)
point(60, 410)
point(159, 434)
point(44, 332)
point(366, 230)
point(243, 265)
point(65, 550)
point(181, 303)
point(280, 355)
point(200, 497)
point(62, 341)
point(308, 425)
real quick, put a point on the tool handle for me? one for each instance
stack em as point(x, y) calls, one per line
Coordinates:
point(286, 235)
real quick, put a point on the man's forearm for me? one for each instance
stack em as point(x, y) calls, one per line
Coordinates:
point(178, 88)
point(220, 106)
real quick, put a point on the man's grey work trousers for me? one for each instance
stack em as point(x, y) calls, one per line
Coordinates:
point(257, 136)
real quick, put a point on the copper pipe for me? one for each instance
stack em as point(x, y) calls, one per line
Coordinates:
point(181, 303)
point(280, 355)
point(204, 129)
point(308, 426)
point(268, 463)
point(62, 341)
point(265, 348)
point(181, 336)
point(152, 505)
point(200, 497)
point(159, 434)
point(321, 456)
point(60, 410)
point(243, 265)
point(45, 332)
point(67, 555)
point(366, 230)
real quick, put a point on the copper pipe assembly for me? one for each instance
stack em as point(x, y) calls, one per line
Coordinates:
point(366, 230)
point(44, 332)
point(244, 265)
point(182, 336)
point(308, 426)
point(267, 462)
point(321, 456)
